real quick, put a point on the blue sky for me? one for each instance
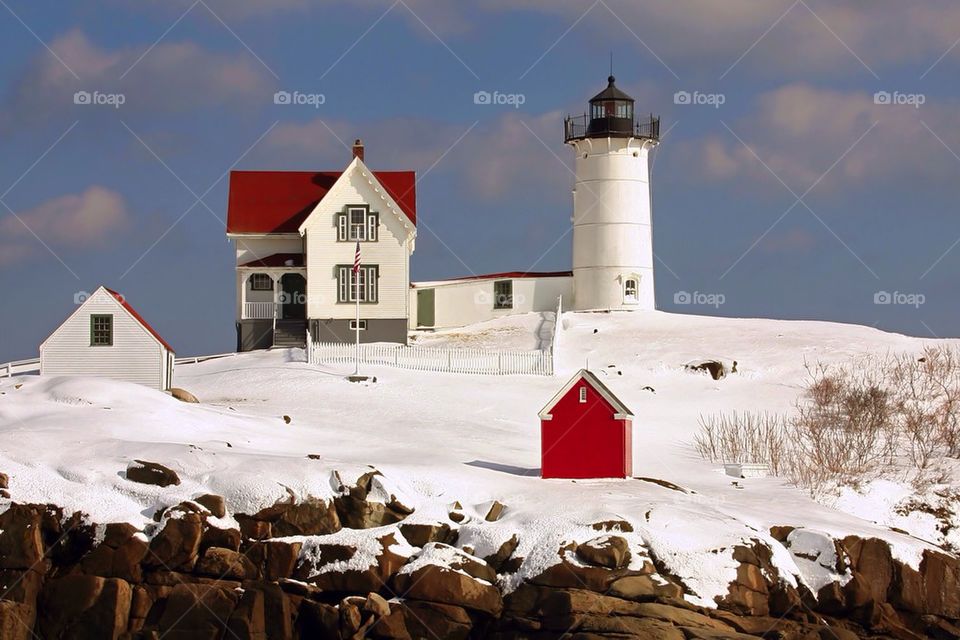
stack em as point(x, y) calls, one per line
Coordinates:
point(801, 196)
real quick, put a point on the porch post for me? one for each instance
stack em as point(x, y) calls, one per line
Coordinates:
point(243, 294)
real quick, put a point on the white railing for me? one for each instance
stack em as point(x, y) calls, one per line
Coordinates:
point(198, 359)
point(473, 361)
point(19, 366)
point(259, 310)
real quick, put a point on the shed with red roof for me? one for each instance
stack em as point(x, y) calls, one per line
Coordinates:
point(586, 432)
point(106, 337)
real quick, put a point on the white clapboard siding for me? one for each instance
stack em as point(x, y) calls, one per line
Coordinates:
point(135, 356)
point(471, 361)
point(391, 251)
point(256, 248)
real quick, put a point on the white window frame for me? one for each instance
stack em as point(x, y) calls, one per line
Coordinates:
point(507, 299)
point(361, 230)
point(583, 395)
point(353, 325)
point(369, 284)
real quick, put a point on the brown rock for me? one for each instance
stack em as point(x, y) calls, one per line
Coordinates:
point(612, 552)
point(496, 560)
point(197, 611)
point(120, 554)
point(495, 512)
point(644, 588)
point(374, 578)
point(254, 529)
point(612, 525)
point(306, 518)
point(4, 481)
point(21, 545)
point(435, 620)
point(16, 620)
point(355, 512)
point(276, 559)
point(439, 584)
point(278, 610)
point(183, 395)
point(152, 473)
point(222, 563)
point(175, 548)
point(247, 622)
point(225, 538)
point(567, 575)
point(420, 534)
point(213, 503)
point(318, 620)
point(80, 606)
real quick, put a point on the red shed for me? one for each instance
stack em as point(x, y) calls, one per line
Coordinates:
point(585, 432)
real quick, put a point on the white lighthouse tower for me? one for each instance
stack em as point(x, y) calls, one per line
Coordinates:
point(612, 221)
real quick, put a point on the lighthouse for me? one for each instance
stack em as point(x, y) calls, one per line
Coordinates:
point(612, 212)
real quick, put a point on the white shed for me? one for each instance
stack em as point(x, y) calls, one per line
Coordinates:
point(105, 337)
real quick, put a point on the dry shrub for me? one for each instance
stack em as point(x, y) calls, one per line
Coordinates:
point(896, 417)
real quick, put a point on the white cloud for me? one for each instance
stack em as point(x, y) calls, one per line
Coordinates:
point(171, 76)
point(800, 130)
point(493, 159)
point(85, 220)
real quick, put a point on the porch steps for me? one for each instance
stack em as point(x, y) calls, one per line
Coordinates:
point(290, 333)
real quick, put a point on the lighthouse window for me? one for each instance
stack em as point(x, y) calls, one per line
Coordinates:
point(630, 291)
point(503, 294)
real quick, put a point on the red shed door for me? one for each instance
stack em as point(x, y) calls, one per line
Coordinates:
point(583, 439)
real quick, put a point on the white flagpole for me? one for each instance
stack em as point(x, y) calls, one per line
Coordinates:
point(356, 275)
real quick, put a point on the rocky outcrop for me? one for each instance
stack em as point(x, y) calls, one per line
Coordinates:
point(184, 577)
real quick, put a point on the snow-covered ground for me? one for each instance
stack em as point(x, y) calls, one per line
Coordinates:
point(440, 438)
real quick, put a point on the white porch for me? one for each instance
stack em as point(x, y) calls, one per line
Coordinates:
point(268, 293)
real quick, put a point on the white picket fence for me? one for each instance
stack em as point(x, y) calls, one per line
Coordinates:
point(474, 361)
point(18, 367)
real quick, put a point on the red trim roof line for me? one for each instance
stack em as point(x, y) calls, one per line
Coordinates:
point(133, 312)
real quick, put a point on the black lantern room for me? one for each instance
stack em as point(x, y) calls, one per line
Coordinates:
point(611, 116)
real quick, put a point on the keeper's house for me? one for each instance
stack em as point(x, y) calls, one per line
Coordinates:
point(105, 337)
point(296, 233)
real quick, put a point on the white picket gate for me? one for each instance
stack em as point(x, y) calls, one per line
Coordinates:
point(473, 361)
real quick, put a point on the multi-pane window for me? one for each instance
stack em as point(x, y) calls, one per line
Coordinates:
point(358, 224)
point(503, 294)
point(101, 330)
point(347, 284)
point(583, 395)
point(353, 325)
point(630, 291)
point(261, 282)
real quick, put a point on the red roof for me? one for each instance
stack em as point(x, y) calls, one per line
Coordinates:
point(126, 305)
point(511, 274)
point(279, 201)
point(277, 260)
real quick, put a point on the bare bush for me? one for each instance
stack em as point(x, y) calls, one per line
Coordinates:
point(744, 437)
point(895, 417)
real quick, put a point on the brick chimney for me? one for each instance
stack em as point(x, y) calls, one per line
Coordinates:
point(358, 149)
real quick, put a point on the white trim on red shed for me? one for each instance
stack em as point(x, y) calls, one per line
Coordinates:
point(621, 410)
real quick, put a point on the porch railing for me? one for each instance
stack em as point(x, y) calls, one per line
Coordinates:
point(259, 310)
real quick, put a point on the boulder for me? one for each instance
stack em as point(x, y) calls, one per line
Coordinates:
point(372, 578)
point(503, 553)
point(248, 621)
point(278, 609)
point(571, 575)
point(119, 555)
point(434, 620)
point(715, 368)
point(308, 517)
point(183, 395)
point(81, 606)
point(152, 473)
point(197, 611)
point(420, 534)
point(612, 552)
point(225, 538)
point(495, 512)
point(213, 503)
point(253, 529)
point(447, 586)
point(318, 620)
point(21, 544)
point(275, 559)
point(642, 588)
point(175, 548)
point(16, 620)
point(222, 563)
point(357, 512)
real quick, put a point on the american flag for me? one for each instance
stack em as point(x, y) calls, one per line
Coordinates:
point(356, 259)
